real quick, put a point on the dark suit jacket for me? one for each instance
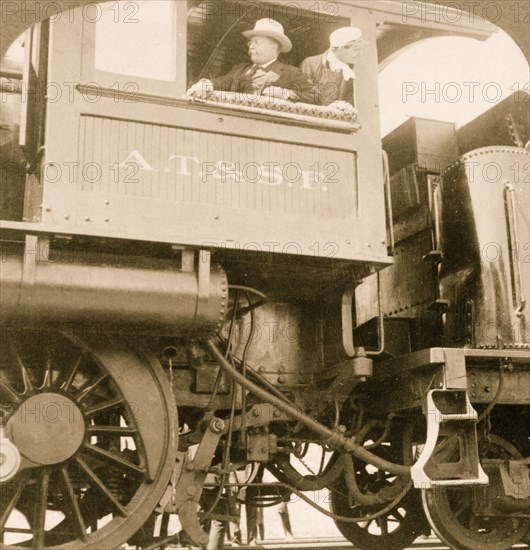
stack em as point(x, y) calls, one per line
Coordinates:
point(280, 74)
point(330, 85)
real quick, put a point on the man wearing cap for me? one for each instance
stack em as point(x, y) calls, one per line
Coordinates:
point(265, 75)
point(332, 72)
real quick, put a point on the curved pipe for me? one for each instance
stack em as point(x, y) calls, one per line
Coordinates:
point(330, 437)
point(307, 483)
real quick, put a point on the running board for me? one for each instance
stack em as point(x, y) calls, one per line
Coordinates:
point(450, 454)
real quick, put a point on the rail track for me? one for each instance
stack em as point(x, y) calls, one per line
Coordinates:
point(422, 543)
point(337, 543)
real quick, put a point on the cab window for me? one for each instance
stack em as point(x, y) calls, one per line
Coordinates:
point(142, 43)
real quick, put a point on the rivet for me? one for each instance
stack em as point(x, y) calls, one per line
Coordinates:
point(66, 217)
point(87, 219)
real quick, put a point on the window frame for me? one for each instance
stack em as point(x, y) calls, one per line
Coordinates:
point(125, 85)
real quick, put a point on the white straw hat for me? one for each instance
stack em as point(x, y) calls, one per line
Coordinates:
point(272, 29)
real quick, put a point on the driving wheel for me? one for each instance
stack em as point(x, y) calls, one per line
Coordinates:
point(450, 512)
point(395, 529)
point(88, 441)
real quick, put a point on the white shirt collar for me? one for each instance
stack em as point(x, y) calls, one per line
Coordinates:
point(265, 65)
point(335, 64)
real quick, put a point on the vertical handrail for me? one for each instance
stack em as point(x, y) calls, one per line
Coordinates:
point(388, 194)
point(520, 300)
point(434, 192)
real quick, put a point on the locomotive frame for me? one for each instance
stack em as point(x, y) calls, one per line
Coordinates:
point(121, 305)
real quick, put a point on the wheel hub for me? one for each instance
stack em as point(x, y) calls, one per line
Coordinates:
point(47, 428)
point(9, 459)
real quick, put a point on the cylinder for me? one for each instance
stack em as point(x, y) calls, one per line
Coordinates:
point(127, 293)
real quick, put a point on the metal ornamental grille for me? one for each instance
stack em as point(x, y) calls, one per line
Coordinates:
point(203, 168)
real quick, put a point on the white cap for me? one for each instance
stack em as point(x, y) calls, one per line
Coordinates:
point(344, 36)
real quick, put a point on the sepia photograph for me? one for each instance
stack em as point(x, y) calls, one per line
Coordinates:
point(264, 274)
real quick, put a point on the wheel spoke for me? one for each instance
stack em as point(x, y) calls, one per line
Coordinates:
point(48, 372)
point(75, 511)
point(28, 384)
point(89, 389)
point(113, 460)
point(73, 372)
point(102, 487)
point(41, 506)
point(383, 525)
point(10, 505)
point(365, 524)
point(9, 393)
point(461, 509)
point(104, 406)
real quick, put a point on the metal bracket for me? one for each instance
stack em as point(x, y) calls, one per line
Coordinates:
point(451, 415)
point(187, 490)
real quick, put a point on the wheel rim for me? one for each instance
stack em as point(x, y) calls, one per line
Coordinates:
point(449, 511)
point(393, 530)
point(94, 422)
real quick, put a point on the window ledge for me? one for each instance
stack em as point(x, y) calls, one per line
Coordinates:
point(258, 107)
point(297, 111)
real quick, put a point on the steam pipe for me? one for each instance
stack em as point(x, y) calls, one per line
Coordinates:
point(334, 439)
point(308, 483)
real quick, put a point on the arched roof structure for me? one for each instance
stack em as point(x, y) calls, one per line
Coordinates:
point(513, 16)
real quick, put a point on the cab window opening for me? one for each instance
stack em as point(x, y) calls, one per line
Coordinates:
point(216, 43)
point(121, 49)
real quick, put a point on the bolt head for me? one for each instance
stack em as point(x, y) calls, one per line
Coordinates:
point(217, 425)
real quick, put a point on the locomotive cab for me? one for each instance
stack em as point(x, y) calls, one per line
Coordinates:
point(192, 286)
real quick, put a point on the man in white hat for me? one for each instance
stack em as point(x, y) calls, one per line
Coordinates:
point(332, 72)
point(265, 75)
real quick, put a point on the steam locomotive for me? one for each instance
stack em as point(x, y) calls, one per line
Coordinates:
point(217, 286)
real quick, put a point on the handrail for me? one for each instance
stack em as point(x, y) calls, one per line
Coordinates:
point(511, 220)
point(434, 187)
point(388, 193)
